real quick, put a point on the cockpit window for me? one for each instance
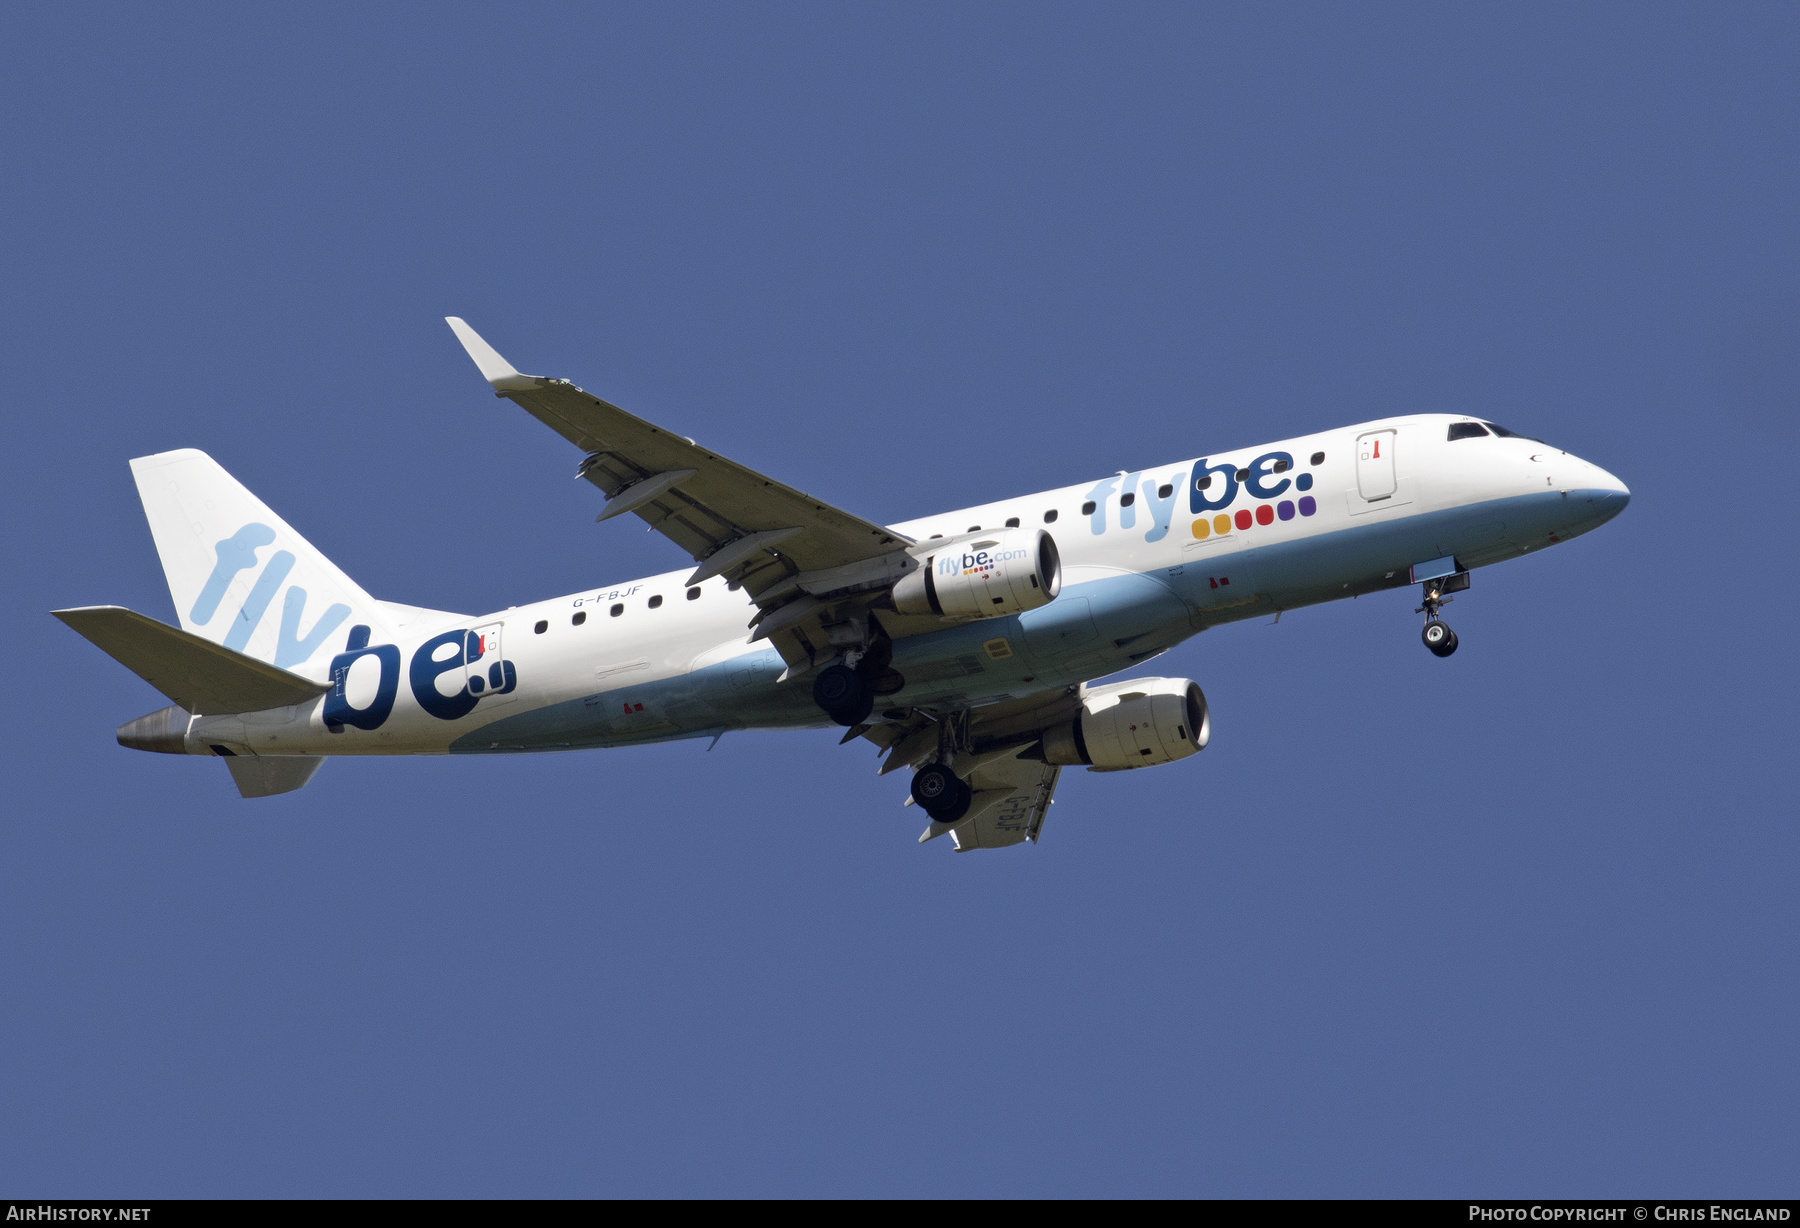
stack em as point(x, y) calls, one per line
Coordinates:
point(1467, 430)
point(1506, 434)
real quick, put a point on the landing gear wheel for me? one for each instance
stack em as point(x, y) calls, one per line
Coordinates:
point(1439, 638)
point(845, 694)
point(936, 789)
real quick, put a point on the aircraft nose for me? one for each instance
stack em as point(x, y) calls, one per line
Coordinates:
point(1608, 494)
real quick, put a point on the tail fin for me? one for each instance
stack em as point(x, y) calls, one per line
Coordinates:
point(240, 575)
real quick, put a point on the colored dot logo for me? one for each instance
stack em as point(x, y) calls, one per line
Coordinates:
point(1265, 513)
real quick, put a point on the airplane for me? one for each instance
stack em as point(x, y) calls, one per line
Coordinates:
point(968, 647)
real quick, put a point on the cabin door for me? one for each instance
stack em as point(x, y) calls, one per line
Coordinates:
point(1375, 465)
point(490, 674)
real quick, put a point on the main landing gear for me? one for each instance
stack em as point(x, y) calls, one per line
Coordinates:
point(846, 694)
point(1437, 634)
point(847, 691)
point(936, 789)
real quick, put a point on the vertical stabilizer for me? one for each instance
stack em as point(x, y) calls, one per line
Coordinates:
point(240, 575)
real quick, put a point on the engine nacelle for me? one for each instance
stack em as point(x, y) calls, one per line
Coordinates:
point(1133, 724)
point(1007, 572)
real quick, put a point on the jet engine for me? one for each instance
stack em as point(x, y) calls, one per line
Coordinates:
point(1133, 724)
point(1007, 572)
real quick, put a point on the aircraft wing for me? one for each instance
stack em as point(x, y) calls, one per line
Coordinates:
point(759, 534)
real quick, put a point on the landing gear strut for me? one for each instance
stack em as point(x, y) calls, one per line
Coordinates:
point(1437, 634)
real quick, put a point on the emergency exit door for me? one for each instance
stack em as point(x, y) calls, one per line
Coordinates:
point(1375, 465)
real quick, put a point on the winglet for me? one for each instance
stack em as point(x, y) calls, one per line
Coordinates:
point(494, 369)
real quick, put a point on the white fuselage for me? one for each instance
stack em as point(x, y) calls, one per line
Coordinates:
point(1152, 562)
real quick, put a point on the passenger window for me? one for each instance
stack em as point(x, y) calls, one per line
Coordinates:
point(935, 536)
point(1050, 516)
point(1318, 458)
point(1243, 475)
point(617, 609)
point(1164, 491)
point(543, 626)
point(1087, 509)
point(1204, 483)
point(693, 594)
point(1128, 498)
point(1467, 430)
point(1281, 466)
point(974, 528)
point(580, 617)
point(1012, 522)
point(656, 601)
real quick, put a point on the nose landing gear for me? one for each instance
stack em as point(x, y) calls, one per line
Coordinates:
point(1437, 634)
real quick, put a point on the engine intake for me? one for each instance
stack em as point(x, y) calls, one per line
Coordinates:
point(1141, 723)
point(1009, 572)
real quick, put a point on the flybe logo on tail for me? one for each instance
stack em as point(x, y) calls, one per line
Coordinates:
point(237, 553)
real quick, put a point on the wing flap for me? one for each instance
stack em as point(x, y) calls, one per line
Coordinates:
point(1016, 817)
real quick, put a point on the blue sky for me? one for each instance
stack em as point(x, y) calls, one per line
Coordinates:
point(1519, 922)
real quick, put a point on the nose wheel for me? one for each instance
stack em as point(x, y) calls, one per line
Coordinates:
point(1439, 638)
point(1437, 634)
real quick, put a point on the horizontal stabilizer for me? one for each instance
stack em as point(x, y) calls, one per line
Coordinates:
point(201, 676)
point(267, 775)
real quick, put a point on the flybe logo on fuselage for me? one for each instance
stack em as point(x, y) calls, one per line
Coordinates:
point(467, 661)
point(1211, 489)
point(237, 553)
